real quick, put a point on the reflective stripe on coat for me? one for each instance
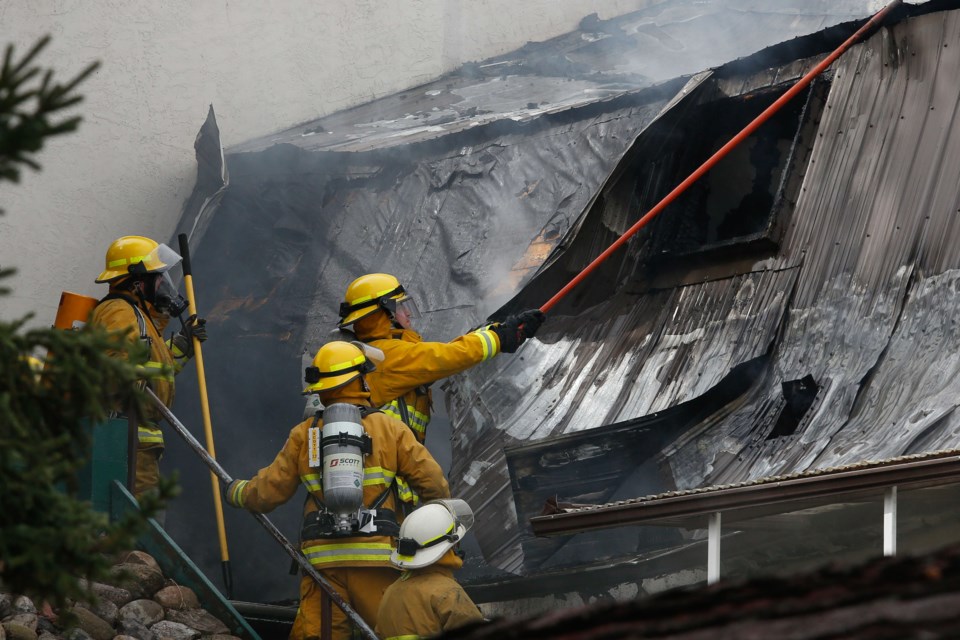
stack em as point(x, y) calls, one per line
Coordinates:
point(396, 453)
point(409, 363)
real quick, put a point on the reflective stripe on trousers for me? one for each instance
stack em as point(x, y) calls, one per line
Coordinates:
point(147, 434)
point(323, 554)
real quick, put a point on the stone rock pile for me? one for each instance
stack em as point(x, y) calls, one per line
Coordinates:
point(138, 603)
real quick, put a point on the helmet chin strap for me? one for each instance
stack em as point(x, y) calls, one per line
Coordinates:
point(389, 307)
point(137, 287)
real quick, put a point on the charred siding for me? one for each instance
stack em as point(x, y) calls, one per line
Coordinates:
point(860, 293)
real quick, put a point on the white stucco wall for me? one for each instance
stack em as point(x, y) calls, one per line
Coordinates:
point(263, 65)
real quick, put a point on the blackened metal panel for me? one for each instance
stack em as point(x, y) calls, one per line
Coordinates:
point(873, 246)
point(598, 465)
point(212, 181)
point(876, 228)
point(626, 358)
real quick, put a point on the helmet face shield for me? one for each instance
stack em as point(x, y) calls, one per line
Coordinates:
point(406, 312)
point(165, 260)
point(162, 259)
point(166, 264)
point(461, 512)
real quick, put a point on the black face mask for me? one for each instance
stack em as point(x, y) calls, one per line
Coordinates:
point(165, 297)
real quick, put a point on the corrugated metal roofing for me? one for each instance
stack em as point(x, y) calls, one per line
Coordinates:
point(864, 279)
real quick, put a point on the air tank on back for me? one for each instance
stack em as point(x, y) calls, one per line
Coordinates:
point(342, 463)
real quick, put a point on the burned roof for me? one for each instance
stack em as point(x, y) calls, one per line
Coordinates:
point(472, 215)
point(827, 245)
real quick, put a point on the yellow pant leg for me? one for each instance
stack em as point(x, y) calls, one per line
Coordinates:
point(366, 586)
point(307, 624)
point(362, 588)
point(148, 469)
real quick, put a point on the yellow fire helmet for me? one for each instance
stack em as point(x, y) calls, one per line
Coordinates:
point(335, 364)
point(368, 293)
point(136, 254)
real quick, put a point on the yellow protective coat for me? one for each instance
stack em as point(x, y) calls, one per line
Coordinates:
point(410, 365)
point(119, 315)
point(396, 453)
point(425, 602)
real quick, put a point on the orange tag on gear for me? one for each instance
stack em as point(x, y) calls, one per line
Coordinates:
point(313, 446)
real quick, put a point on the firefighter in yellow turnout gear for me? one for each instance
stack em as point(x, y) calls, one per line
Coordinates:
point(379, 311)
point(357, 565)
point(141, 301)
point(426, 600)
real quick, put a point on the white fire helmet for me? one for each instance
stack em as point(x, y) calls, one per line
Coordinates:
point(427, 533)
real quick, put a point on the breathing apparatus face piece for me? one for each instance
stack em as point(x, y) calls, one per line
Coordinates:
point(163, 264)
point(166, 298)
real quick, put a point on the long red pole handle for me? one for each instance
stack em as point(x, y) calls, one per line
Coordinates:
point(723, 151)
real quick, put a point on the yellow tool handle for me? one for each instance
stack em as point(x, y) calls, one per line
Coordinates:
point(207, 422)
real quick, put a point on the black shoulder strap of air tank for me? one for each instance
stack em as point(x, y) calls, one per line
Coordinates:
point(404, 412)
point(368, 411)
point(364, 412)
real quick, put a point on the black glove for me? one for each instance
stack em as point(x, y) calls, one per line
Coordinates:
point(530, 321)
point(195, 327)
point(513, 331)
